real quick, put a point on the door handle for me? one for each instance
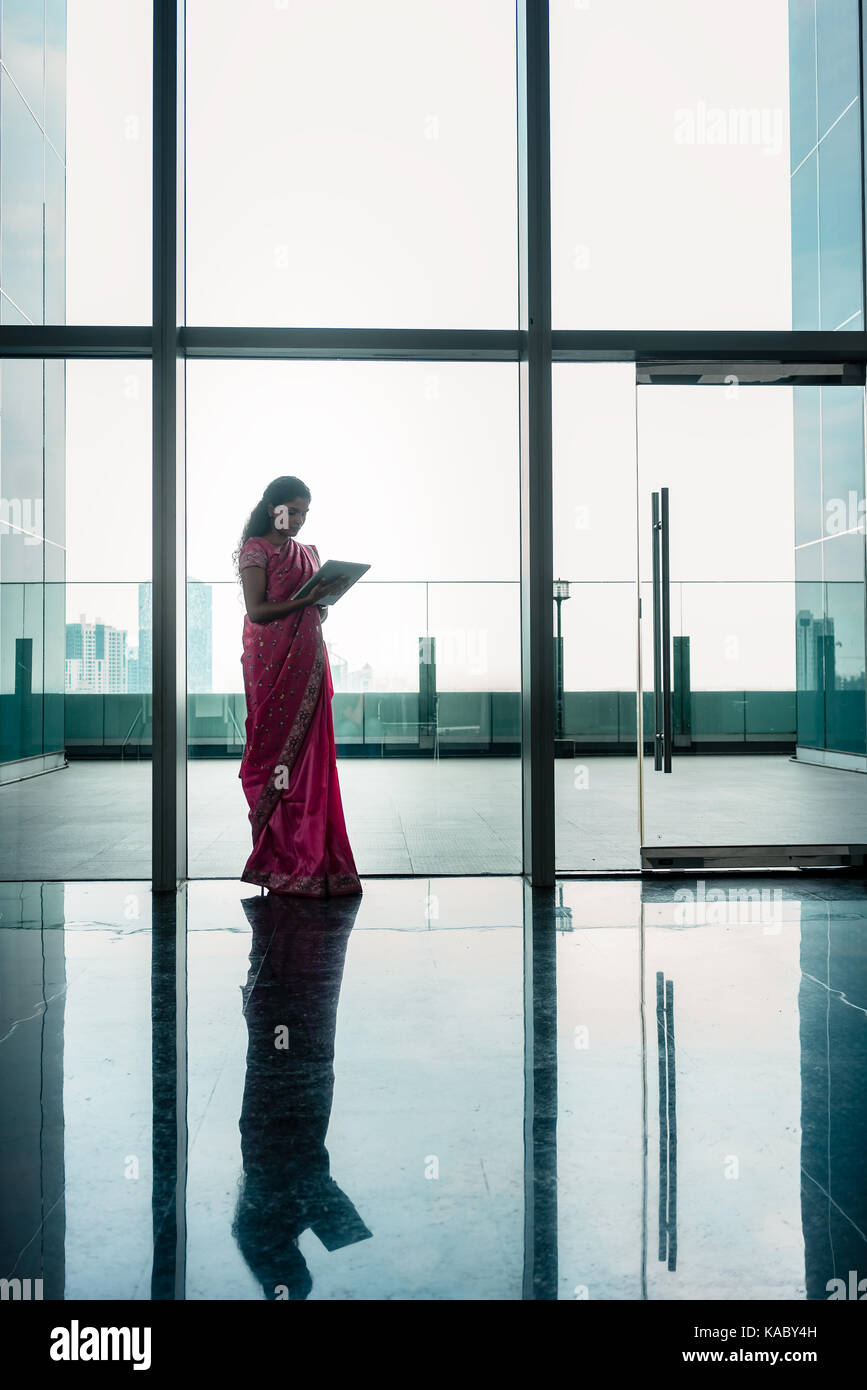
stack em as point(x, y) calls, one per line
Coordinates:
point(662, 734)
point(657, 635)
point(665, 585)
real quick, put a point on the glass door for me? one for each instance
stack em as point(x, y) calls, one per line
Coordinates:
point(752, 588)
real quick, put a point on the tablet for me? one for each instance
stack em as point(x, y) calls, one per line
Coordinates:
point(332, 569)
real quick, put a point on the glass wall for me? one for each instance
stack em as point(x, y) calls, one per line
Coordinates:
point(413, 469)
point(825, 144)
point(830, 567)
point(829, 422)
point(32, 567)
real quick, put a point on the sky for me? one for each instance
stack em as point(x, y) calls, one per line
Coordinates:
point(329, 184)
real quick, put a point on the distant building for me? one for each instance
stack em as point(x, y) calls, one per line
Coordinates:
point(361, 679)
point(200, 641)
point(95, 658)
point(132, 669)
point(141, 674)
point(339, 669)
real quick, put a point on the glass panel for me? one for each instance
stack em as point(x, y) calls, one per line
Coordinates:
point(840, 215)
point(764, 672)
point(413, 469)
point(75, 536)
point(364, 190)
point(596, 785)
point(22, 40)
point(108, 112)
point(95, 74)
point(21, 145)
point(714, 126)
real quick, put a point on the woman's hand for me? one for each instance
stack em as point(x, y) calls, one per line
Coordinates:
point(319, 590)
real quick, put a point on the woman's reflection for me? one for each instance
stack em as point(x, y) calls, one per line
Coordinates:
point(290, 1003)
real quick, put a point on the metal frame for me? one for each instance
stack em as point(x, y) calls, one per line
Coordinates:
point(533, 345)
point(169, 687)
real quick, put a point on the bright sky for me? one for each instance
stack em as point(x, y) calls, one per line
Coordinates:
point(329, 183)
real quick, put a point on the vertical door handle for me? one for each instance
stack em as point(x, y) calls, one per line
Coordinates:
point(657, 635)
point(662, 732)
point(665, 587)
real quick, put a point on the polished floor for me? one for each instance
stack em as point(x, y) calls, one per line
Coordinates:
point(451, 816)
point(329, 1100)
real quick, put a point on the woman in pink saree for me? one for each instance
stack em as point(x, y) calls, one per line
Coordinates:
point(289, 767)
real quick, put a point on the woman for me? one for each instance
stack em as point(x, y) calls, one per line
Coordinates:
point(289, 767)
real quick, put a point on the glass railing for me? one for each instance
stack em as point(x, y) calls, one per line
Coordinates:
point(76, 667)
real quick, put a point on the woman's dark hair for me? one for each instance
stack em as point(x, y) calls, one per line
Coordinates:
point(278, 493)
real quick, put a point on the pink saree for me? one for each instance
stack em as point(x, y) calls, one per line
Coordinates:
point(289, 767)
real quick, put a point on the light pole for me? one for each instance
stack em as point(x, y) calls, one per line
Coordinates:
point(561, 593)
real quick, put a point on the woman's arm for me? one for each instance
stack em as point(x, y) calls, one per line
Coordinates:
point(259, 610)
point(254, 581)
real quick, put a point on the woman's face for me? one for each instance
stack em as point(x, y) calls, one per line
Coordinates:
point(289, 517)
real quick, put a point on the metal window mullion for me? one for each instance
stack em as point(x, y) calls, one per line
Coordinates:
point(537, 534)
point(168, 483)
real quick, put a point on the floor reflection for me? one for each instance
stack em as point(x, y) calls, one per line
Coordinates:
point(447, 1089)
point(290, 1005)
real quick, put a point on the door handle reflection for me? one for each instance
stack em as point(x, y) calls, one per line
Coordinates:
point(667, 1121)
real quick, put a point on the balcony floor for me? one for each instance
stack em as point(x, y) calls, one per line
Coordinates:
point(454, 816)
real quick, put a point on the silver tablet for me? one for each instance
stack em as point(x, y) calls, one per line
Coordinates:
point(332, 569)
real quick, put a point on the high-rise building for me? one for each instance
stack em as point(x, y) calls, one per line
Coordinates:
point(199, 638)
point(140, 679)
point(200, 641)
point(32, 392)
point(96, 658)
